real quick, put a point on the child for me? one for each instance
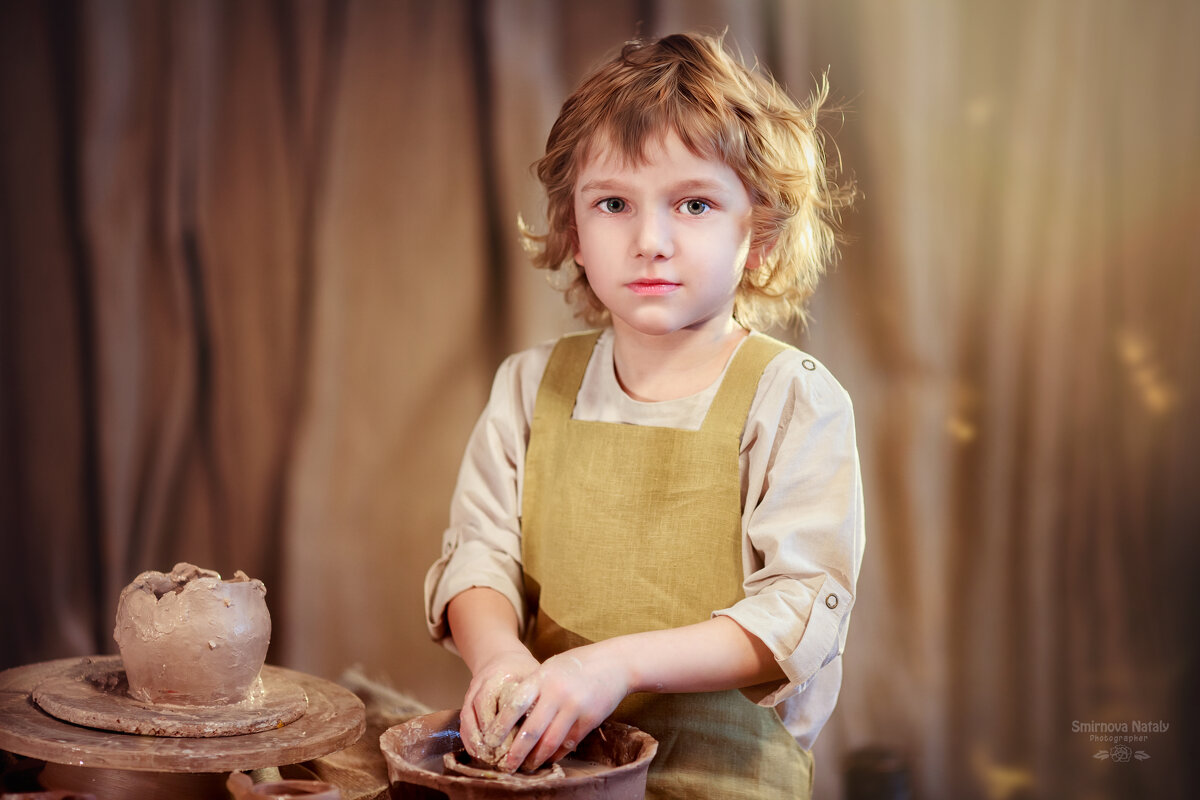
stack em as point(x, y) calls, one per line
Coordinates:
point(661, 521)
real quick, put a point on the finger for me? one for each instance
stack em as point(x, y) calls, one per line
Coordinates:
point(515, 704)
point(468, 728)
point(487, 700)
point(574, 737)
point(529, 735)
point(578, 731)
point(582, 728)
point(518, 751)
point(552, 741)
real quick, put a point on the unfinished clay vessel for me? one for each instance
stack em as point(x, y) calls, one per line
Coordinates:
point(188, 637)
point(610, 764)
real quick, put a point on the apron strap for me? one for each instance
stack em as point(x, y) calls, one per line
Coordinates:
point(564, 375)
point(730, 408)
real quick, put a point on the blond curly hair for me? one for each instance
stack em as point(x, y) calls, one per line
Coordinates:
point(692, 85)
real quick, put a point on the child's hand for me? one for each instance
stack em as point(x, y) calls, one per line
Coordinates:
point(495, 686)
point(566, 698)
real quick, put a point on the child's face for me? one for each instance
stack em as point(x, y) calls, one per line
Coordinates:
point(663, 243)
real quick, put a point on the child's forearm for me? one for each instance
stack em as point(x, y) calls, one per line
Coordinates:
point(482, 624)
point(713, 655)
point(573, 692)
point(486, 631)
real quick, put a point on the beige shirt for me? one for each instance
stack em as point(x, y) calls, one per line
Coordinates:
point(802, 519)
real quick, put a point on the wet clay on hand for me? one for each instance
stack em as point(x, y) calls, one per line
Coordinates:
point(492, 755)
point(487, 759)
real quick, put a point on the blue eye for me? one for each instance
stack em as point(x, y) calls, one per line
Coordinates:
point(613, 205)
point(695, 207)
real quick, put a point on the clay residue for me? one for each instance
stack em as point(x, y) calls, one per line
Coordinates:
point(173, 581)
point(461, 762)
point(182, 575)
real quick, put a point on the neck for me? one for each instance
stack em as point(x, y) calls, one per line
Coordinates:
point(653, 368)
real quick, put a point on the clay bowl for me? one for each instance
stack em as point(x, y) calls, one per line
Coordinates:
point(190, 638)
point(608, 767)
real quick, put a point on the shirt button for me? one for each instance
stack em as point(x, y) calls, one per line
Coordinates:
point(808, 364)
point(831, 601)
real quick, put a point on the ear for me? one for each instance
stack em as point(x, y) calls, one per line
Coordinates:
point(576, 252)
point(762, 244)
point(758, 256)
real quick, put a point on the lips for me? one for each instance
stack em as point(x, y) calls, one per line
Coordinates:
point(652, 286)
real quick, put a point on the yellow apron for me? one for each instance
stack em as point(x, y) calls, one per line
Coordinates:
point(630, 528)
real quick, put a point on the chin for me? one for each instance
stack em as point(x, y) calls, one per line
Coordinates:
point(649, 326)
point(662, 321)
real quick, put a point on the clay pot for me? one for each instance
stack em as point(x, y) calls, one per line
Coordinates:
point(190, 638)
point(608, 767)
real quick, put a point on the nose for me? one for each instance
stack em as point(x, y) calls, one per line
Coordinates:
point(653, 237)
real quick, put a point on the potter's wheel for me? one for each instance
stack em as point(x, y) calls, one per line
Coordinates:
point(93, 692)
point(333, 719)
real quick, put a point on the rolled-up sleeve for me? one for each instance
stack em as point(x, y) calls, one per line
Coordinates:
point(803, 522)
point(482, 544)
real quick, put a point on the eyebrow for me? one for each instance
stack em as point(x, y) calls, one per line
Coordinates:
point(689, 186)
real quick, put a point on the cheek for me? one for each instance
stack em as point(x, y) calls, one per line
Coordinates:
point(589, 243)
